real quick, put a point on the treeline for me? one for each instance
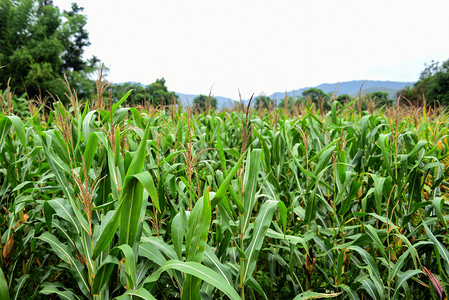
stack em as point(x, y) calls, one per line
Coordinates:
point(155, 94)
point(39, 45)
point(432, 87)
point(321, 100)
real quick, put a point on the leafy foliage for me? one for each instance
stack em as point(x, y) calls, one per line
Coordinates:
point(99, 204)
point(155, 94)
point(433, 86)
point(204, 103)
point(263, 102)
point(38, 44)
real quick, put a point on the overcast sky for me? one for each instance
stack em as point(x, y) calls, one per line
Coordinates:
point(264, 46)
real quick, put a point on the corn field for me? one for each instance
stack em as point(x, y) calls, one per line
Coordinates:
point(113, 202)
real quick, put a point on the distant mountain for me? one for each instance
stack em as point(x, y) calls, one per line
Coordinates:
point(352, 88)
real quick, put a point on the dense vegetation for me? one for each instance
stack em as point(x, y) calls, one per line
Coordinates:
point(130, 196)
point(117, 202)
point(431, 88)
point(39, 45)
point(155, 94)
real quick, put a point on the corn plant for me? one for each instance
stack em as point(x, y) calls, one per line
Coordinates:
point(103, 201)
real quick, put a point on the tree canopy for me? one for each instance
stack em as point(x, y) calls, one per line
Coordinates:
point(39, 44)
point(156, 93)
point(201, 102)
point(317, 97)
point(433, 86)
point(263, 102)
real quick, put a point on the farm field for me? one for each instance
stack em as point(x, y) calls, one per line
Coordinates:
point(105, 201)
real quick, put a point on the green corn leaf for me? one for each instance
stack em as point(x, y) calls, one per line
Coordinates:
point(198, 229)
point(89, 152)
point(368, 285)
point(178, 233)
point(350, 292)
point(19, 129)
point(132, 195)
point(226, 184)
point(148, 250)
point(324, 160)
point(139, 293)
point(402, 279)
point(4, 291)
point(376, 240)
point(418, 147)
point(314, 295)
point(53, 161)
point(65, 211)
point(261, 225)
point(86, 126)
point(202, 272)
point(117, 154)
point(378, 191)
point(311, 207)
point(196, 238)
point(130, 263)
point(443, 251)
point(116, 105)
point(63, 252)
point(108, 233)
point(212, 261)
point(104, 272)
point(367, 258)
point(250, 185)
point(48, 211)
point(386, 154)
point(21, 284)
point(147, 182)
point(136, 116)
point(438, 203)
point(58, 289)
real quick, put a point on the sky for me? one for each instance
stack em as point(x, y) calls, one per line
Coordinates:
point(262, 46)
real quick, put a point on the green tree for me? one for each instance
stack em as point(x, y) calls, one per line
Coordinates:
point(138, 96)
point(201, 102)
point(438, 85)
point(159, 95)
point(433, 86)
point(156, 93)
point(318, 97)
point(39, 44)
point(263, 102)
point(344, 98)
point(380, 98)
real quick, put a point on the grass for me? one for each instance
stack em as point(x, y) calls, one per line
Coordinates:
point(106, 201)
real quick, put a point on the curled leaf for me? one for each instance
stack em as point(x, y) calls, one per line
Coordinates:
point(436, 284)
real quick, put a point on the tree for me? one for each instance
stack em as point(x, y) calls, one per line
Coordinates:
point(345, 98)
point(201, 103)
point(38, 45)
point(380, 98)
point(438, 85)
point(263, 102)
point(156, 93)
point(159, 95)
point(432, 86)
point(318, 97)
